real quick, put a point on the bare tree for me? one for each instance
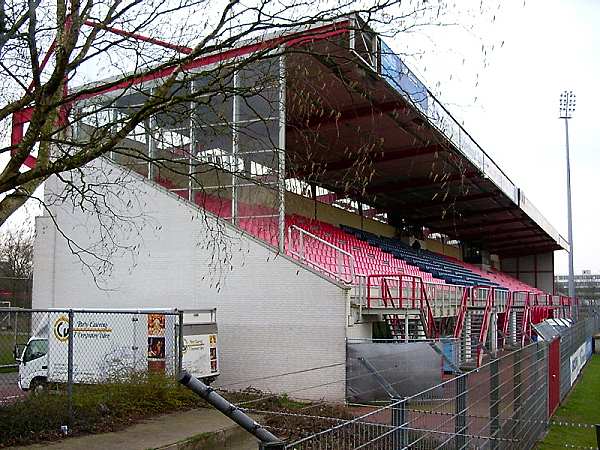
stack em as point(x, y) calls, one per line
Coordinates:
point(154, 58)
point(16, 253)
point(44, 46)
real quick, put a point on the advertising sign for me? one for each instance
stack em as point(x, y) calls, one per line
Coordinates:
point(579, 358)
point(156, 342)
point(200, 356)
point(103, 347)
point(110, 345)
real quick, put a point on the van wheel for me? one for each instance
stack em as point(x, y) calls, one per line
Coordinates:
point(38, 385)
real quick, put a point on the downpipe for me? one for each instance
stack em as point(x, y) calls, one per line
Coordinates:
point(230, 410)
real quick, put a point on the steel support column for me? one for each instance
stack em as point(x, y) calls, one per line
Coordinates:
point(235, 146)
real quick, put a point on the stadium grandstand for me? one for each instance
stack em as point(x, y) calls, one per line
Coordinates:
point(319, 194)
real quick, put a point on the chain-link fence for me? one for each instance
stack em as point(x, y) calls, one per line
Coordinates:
point(504, 404)
point(56, 349)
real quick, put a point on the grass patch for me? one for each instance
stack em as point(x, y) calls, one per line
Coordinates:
point(97, 408)
point(581, 406)
point(7, 346)
point(7, 343)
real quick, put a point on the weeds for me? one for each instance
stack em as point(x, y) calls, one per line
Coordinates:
point(96, 408)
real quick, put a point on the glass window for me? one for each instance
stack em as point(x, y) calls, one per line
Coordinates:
point(262, 136)
point(259, 89)
point(213, 109)
point(35, 349)
point(212, 139)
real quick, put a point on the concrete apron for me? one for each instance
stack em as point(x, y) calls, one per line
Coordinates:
point(230, 439)
point(182, 431)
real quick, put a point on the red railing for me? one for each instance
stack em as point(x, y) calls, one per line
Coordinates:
point(401, 291)
point(432, 331)
point(506, 323)
point(462, 313)
point(526, 324)
point(485, 324)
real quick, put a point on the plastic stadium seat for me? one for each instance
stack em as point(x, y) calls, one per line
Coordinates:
point(373, 254)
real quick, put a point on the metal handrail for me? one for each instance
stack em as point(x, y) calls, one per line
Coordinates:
point(489, 304)
point(426, 285)
point(462, 313)
point(302, 254)
point(418, 295)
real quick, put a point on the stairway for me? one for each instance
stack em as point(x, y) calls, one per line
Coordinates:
point(471, 346)
point(520, 314)
point(398, 325)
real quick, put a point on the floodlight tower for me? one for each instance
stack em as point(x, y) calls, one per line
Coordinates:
point(567, 108)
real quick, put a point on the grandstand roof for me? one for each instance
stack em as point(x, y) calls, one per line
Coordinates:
point(426, 167)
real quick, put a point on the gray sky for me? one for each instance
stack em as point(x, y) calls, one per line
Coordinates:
point(549, 46)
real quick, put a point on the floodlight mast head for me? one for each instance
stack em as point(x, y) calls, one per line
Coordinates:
point(567, 104)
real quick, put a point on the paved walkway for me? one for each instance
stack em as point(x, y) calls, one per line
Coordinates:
point(160, 432)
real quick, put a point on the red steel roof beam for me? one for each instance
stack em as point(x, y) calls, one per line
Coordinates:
point(424, 203)
point(139, 37)
point(466, 215)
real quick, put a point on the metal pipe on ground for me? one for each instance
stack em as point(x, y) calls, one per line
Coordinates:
point(229, 409)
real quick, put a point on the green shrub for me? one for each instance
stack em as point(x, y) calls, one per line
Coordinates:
point(96, 408)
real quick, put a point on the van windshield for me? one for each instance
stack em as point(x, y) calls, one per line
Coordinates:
point(35, 349)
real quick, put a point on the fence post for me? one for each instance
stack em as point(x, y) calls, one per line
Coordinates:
point(517, 391)
point(180, 345)
point(461, 412)
point(494, 401)
point(70, 368)
point(399, 440)
point(16, 326)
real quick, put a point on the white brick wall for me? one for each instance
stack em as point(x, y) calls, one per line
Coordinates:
point(274, 316)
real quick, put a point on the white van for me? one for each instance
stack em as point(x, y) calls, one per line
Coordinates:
point(114, 344)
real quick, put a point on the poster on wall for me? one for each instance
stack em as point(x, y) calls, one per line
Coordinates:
point(156, 343)
point(200, 356)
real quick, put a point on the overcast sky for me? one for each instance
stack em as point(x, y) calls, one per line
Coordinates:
point(549, 46)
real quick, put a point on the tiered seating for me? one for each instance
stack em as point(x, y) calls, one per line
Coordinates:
point(498, 277)
point(369, 259)
point(373, 254)
point(451, 270)
point(425, 260)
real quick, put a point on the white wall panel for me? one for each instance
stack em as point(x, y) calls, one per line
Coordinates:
point(274, 316)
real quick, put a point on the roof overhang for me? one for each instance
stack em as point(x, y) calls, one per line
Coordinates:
point(402, 152)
